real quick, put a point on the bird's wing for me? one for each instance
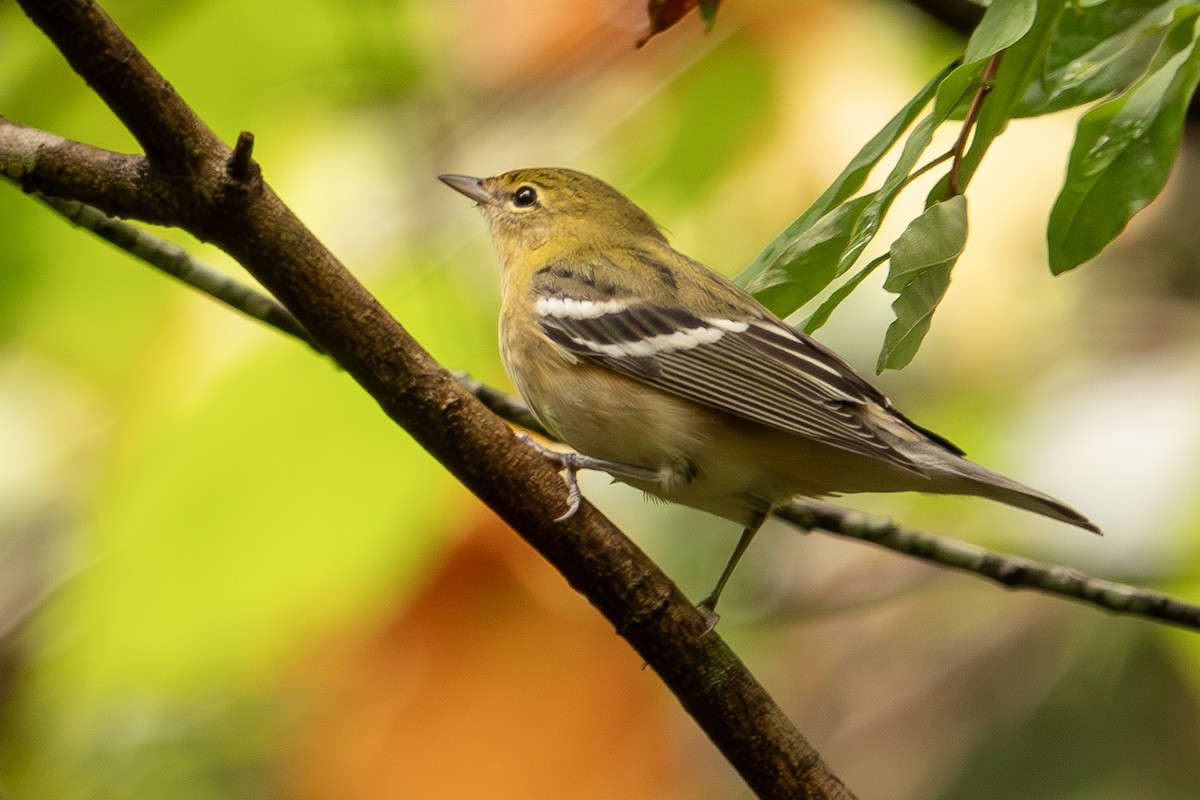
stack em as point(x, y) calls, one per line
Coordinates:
point(756, 368)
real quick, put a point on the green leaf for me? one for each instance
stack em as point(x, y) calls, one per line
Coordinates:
point(1002, 26)
point(823, 312)
point(842, 233)
point(1123, 151)
point(956, 91)
point(935, 238)
point(922, 259)
point(810, 261)
point(780, 257)
point(708, 12)
point(1098, 52)
point(834, 243)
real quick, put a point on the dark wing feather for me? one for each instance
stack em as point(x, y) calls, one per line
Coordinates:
point(755, 368)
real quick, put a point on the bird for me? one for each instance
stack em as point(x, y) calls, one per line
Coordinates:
point(668, 376)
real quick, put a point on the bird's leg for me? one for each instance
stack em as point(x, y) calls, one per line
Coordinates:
point(708, 606)
point(569, 463)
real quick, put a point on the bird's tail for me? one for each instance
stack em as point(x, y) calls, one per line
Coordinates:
point(970, 478)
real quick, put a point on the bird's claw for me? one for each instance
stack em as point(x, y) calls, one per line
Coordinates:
point(567, 467)
point(574, 498)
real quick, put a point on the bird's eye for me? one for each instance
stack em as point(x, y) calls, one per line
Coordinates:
point(524, 197)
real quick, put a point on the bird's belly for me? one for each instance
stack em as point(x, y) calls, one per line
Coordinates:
point(611, 417)
point(646, 429)
point(715, 462)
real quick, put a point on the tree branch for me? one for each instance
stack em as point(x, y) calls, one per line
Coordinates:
point(1012, 572)
point(174, 139)
point(187, 161)
point(124, 185)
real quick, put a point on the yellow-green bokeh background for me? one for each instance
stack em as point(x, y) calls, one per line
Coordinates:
point(249, 583)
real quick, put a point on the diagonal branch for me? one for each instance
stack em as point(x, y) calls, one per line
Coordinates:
point(173, 137)
point(177, 262)
point(1010, 571)
point(188, 165)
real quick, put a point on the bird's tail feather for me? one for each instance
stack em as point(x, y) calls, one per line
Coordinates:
point(970, 478)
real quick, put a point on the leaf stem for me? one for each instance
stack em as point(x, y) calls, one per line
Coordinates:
point(964, 135)
point(921, 170)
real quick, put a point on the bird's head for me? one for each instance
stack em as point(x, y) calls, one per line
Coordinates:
point(528, 209)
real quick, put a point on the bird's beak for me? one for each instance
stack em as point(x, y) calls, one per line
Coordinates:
point(471, 187)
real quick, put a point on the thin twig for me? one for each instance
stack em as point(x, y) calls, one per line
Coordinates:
point(175, 261)
point(964, 134)
point(924, 168)
point(1013, 572)
point(504, 405)
point(241, 164)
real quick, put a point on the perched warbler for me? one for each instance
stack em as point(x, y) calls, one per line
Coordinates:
point(670, 378)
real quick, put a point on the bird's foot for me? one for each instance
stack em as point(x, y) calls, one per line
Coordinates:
point(569, 463)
